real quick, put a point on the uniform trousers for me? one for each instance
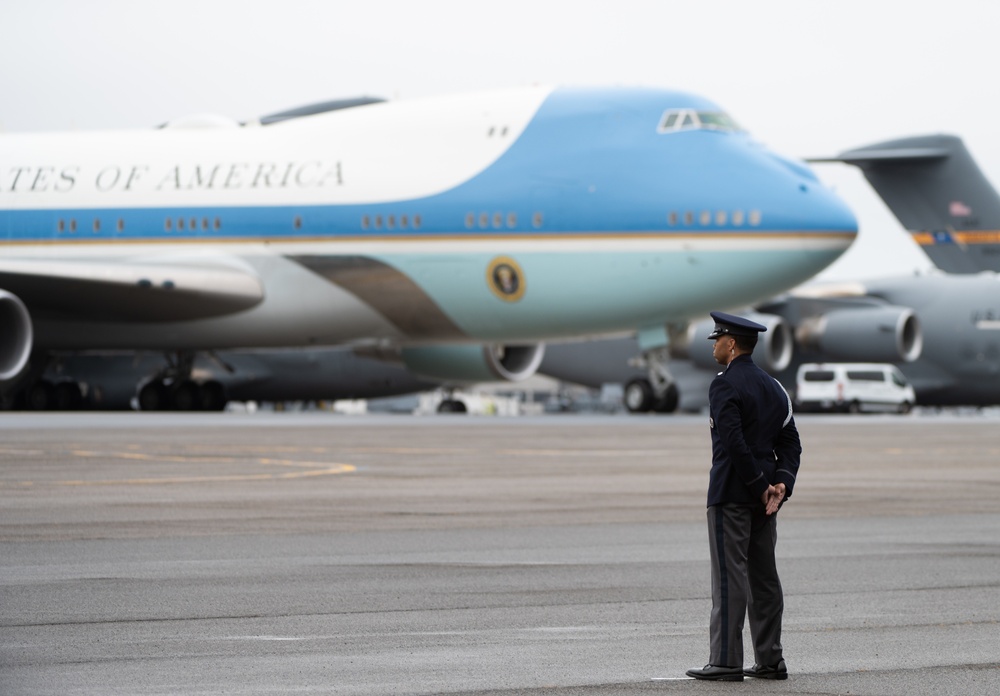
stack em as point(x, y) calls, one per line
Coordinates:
point(744, 578)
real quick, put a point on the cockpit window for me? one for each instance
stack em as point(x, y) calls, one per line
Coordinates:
point(689, 119)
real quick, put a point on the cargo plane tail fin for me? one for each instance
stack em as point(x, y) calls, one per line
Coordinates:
point(939, 194)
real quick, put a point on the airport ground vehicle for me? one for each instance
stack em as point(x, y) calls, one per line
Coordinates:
point(852, 387)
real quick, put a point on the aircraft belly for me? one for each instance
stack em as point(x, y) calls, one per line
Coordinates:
point(570, 294)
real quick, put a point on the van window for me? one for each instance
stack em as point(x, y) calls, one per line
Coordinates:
point(866, 375)
point(898, 379)
point(818, 376)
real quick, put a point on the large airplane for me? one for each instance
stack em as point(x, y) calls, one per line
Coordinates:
point(942, 329)
point(456, 234)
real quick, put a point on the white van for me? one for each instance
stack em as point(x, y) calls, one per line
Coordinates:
point(852, 387)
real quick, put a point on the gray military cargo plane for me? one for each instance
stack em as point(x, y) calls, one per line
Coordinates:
point(948, 347)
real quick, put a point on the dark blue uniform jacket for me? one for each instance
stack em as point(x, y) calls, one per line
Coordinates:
point(754, 439)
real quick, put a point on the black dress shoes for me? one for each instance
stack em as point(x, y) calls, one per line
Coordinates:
point(778, 671)
point(717, 673)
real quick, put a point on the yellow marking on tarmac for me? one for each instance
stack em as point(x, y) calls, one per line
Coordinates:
point(514, 452)
point(583, 453)
point(147, 457)
point(309, 469)
point(331, 471)
point(414, 450)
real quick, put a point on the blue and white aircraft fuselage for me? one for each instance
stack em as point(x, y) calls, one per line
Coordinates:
point(512, 216)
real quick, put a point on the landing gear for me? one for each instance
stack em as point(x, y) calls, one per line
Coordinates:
point(213, 396)
point(71, 382)
point(181, 395)
point(39, 396)
point(449, 404)
point(173, 389)
point(640, 398)
point(153, 396)
point(659, 392)
point(452, 406)
point(67, 396)
point(638, 395)
point(43, 395)
point(35, 390)
point(668, 401)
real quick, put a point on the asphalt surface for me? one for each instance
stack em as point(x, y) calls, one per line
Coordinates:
point(313, 553)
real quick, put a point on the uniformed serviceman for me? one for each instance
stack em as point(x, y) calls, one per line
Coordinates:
point(755, 457)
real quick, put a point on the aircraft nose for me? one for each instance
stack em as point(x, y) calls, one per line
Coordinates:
point(806, 205)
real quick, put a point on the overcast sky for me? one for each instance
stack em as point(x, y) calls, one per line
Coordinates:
point(805, 78)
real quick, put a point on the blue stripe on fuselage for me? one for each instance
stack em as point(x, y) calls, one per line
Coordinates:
point(590, 160)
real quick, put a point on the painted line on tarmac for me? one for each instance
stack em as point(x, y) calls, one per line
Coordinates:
point(308, 469)
point(672, 679)
point(331, 471)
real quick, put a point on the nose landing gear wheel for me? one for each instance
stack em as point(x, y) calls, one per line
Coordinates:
point(638, 395)
point(668, 402)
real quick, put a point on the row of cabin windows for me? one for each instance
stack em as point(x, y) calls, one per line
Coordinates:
point(720, 217)
point(496, 220)
point(390, 222)
point(169, 225)
point(472, 220)
point(70, 226)
point(182, 224)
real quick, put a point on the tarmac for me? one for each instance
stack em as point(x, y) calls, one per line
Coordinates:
point(319, 553)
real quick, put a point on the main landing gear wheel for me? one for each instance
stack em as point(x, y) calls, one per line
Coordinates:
point(185, 395)
point(452, 406)
point(39, 396)
point(67, 396)
point(153, 396)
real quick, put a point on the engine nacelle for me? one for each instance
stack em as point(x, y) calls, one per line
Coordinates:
point(16, 335)
point(773, 352)
point(474, 363)
point(863, 334)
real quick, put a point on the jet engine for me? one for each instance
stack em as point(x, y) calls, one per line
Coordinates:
point(863, 334)
point(474, 363)
point(16, 339)
point(773, 352)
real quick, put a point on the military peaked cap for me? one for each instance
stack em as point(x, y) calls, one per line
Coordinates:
point(732, 325)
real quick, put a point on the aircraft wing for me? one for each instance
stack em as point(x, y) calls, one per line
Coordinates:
point(131, 291)
point(863, 156)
